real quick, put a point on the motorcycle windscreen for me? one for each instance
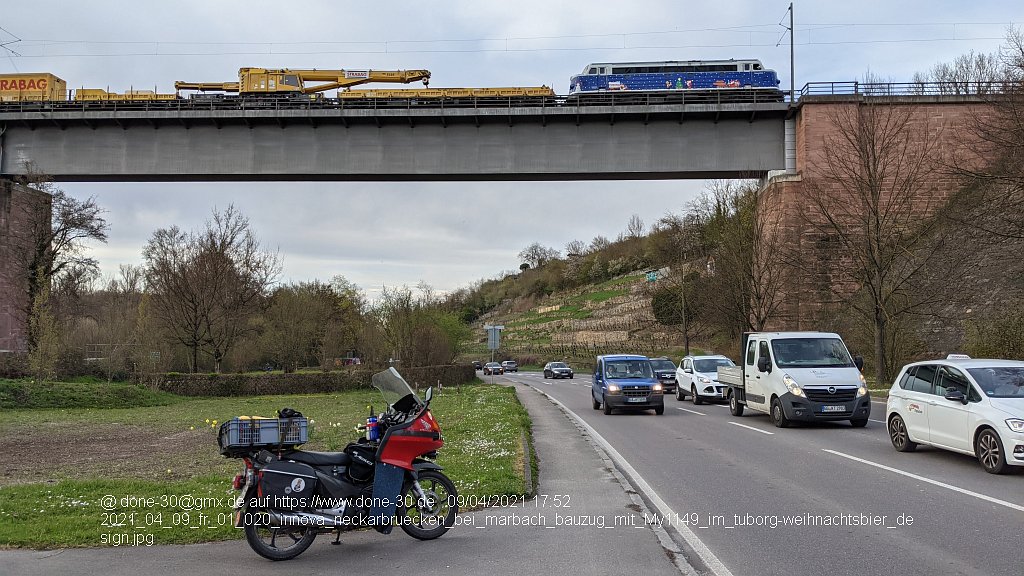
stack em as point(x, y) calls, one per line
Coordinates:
point(387, 488)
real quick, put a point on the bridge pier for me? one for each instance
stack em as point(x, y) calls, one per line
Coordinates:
point(16, 203)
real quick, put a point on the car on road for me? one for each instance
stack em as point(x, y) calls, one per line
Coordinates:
point(510, 366)
point(698, 378)
point(493, 368)
point(625, 381)
point(665, 371)
point(478, 365)
point(969, 406)
point(557, 370)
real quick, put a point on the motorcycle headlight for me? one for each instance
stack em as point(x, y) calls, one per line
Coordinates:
point(1015, 424)
point(791, 384)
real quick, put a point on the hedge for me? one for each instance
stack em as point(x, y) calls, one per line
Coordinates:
point(300, 382)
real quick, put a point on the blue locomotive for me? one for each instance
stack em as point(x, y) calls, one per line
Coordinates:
point(673, 75)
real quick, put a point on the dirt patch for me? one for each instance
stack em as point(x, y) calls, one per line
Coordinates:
point(55, 450)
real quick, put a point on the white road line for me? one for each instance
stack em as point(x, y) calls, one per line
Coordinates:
point(752, 428)
point(879, 421)
point(1010, 505)
point(692, 411)
point(714, 565)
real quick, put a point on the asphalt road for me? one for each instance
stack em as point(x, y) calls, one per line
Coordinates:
point(742, 486)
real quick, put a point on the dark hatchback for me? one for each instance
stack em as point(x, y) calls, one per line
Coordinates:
point(557, 370)
point(665, 371)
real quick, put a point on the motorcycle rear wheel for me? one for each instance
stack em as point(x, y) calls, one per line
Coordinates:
point(426, 519)
point(282, 543)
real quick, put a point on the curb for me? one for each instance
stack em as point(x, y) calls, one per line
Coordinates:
point(641, 493)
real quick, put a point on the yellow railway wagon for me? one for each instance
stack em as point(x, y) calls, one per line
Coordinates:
point(99, 94)
point(32, 87)
point(434, 93)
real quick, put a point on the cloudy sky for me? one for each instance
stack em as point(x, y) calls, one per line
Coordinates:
point(449, 234)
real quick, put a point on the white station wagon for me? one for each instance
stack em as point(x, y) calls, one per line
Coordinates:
point(969, 406)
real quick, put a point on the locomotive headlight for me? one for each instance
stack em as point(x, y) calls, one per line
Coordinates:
point(791, 384)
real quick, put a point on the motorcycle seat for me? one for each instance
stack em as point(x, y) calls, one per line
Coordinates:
point(318, 458)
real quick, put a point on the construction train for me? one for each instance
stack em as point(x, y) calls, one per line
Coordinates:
point(635, 77)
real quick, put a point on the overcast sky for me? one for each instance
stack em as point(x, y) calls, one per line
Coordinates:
point(449, 234)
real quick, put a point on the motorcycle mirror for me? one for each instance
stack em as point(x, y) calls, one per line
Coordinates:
point(429, 394)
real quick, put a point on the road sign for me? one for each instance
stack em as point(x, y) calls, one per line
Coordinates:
point(493, 336)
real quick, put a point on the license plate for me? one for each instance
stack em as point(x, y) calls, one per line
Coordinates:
point(637, 399)
point(833, 408)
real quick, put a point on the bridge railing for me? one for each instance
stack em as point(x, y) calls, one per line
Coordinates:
point(902, 88)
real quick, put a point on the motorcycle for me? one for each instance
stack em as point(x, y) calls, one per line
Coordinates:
point(386, 478)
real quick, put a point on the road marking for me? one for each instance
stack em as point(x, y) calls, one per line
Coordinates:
point(692, 411)
point(879, 421)
point(752, 428)
point(1010, 505)
point(714, 565)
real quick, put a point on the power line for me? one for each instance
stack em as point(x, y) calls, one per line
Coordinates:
point(389, 50)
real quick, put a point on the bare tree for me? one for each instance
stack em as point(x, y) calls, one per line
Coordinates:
point(993, 200)
point(575, 248)
point(536, 255)
point(969, 73)
point(206, 286)
point(872, 206)
point(734, 235)
point(51, 245)
point(599, 243)
point(635, 227)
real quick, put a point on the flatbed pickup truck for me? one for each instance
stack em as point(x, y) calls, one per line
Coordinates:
point(797, 376)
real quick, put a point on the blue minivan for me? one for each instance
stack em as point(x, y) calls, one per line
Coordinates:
point(626, 381)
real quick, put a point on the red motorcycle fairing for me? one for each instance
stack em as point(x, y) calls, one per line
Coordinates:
point(404, 443)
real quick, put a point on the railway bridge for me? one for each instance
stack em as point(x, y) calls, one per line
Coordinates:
point(614, 137)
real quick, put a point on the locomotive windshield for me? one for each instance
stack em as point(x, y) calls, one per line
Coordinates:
point(395, 390)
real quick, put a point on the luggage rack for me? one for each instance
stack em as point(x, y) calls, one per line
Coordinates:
point(243, 434)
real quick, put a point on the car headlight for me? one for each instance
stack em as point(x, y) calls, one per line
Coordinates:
point(1015, 424)
point(704, 380)
point(790, 383)
point(657, 388)
point(862, 391)
point(612, 388)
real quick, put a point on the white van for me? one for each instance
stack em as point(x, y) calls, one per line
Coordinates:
point(804, 376)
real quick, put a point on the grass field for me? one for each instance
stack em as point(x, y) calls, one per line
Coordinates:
point(160, 463)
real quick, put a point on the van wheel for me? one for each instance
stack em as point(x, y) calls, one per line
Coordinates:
point(659, 410)
point(778, 414)
point(697, 400)
point(607, 406)
point(989, 450)
point(594, 402)
point(859, 422)
point(899, 436)
point(679, 393)
point(734, 405)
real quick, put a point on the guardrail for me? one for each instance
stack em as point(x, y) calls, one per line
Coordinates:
point(902, 88)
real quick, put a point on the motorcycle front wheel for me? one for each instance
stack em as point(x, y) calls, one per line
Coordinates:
point(431, 515)
point(276, 542)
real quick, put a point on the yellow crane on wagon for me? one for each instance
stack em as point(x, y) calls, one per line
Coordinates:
point(290, 81)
